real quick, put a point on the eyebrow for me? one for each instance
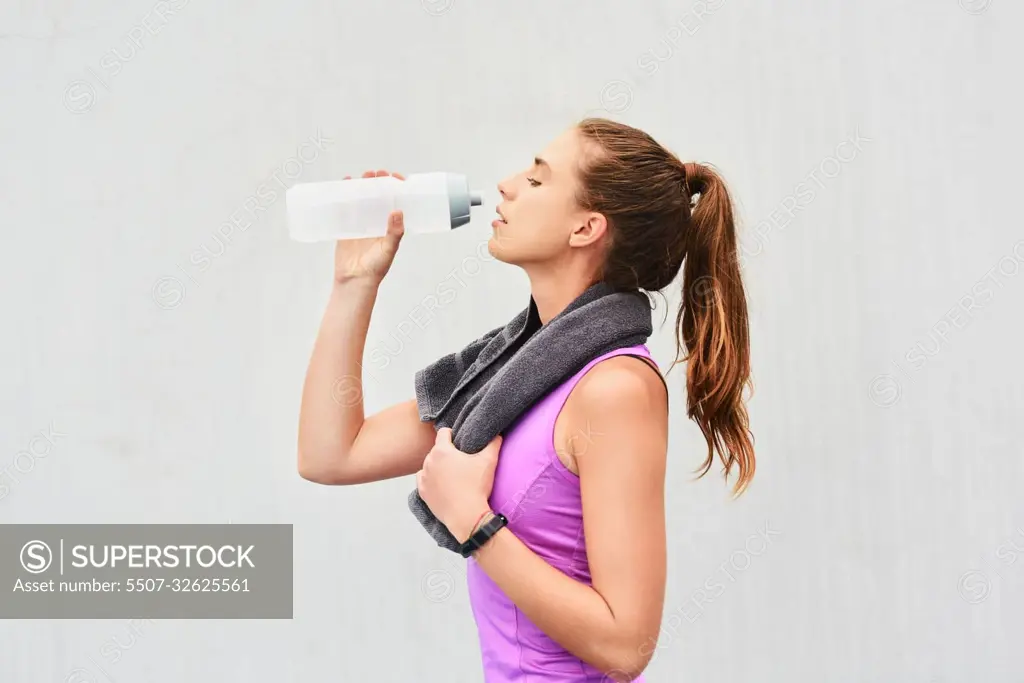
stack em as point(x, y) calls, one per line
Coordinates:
point(537, 161)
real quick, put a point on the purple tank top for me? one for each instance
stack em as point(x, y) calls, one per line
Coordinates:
point(540, 497)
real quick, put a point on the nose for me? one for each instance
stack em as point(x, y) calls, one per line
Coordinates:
point(503, 189)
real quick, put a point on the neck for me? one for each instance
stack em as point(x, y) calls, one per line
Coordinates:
point(552, 293)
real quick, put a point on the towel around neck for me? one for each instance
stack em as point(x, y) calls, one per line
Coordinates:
point(480, 390)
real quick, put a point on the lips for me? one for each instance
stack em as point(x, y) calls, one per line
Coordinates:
point(501, 216)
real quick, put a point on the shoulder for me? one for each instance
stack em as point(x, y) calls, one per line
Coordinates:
point(622, 394)
point(620, 382)
point(624, 401)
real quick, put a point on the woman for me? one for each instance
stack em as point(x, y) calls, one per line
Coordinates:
point(606, 203)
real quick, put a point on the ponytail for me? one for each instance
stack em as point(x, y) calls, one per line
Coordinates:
point(646, 193)
point(712, 325)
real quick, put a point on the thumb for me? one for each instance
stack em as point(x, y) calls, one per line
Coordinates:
point(396, 225)
point(494, 446)
point(443, 436)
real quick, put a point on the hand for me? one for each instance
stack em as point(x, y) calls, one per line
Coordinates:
point(369, 258)
point(456, 486)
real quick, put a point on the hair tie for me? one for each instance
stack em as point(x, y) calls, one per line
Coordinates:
point(692, 170)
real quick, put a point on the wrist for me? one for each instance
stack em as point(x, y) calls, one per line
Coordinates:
point(470, 523)
point(346, 282)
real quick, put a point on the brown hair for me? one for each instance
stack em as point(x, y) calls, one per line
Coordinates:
point(646, 193)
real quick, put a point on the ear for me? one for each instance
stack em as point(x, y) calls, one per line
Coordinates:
point(593, 227)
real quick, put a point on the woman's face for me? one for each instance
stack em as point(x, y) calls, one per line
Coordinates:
point(541, 217)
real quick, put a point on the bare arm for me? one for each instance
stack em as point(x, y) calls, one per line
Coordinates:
point(612, 624)
point(337, 445)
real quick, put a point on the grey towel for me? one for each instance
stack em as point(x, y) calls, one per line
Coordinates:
point(480, 391)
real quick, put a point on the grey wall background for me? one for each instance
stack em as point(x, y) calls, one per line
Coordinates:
point(873, 151)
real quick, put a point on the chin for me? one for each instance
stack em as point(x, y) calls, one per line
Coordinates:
point(498, 248)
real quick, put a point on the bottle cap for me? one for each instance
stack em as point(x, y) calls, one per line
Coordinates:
point(460, 199)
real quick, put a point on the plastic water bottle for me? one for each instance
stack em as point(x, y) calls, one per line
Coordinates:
point(359, 207)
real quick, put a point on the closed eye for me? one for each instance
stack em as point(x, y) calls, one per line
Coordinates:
point(533, 183)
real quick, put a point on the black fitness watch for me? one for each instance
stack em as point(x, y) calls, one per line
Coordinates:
point(481, 535)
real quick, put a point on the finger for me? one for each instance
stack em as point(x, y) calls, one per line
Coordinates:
point(493, 447)
point(381, 173)
point(444, 435)
point(399, 176)
point(348, 177)
point(369, 174)
point(396, 223)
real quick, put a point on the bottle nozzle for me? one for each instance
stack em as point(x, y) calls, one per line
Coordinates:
point(460, 198)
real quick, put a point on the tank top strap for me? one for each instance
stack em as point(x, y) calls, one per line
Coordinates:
point(637, 350)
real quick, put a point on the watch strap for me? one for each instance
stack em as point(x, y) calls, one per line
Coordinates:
point(483, 534)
